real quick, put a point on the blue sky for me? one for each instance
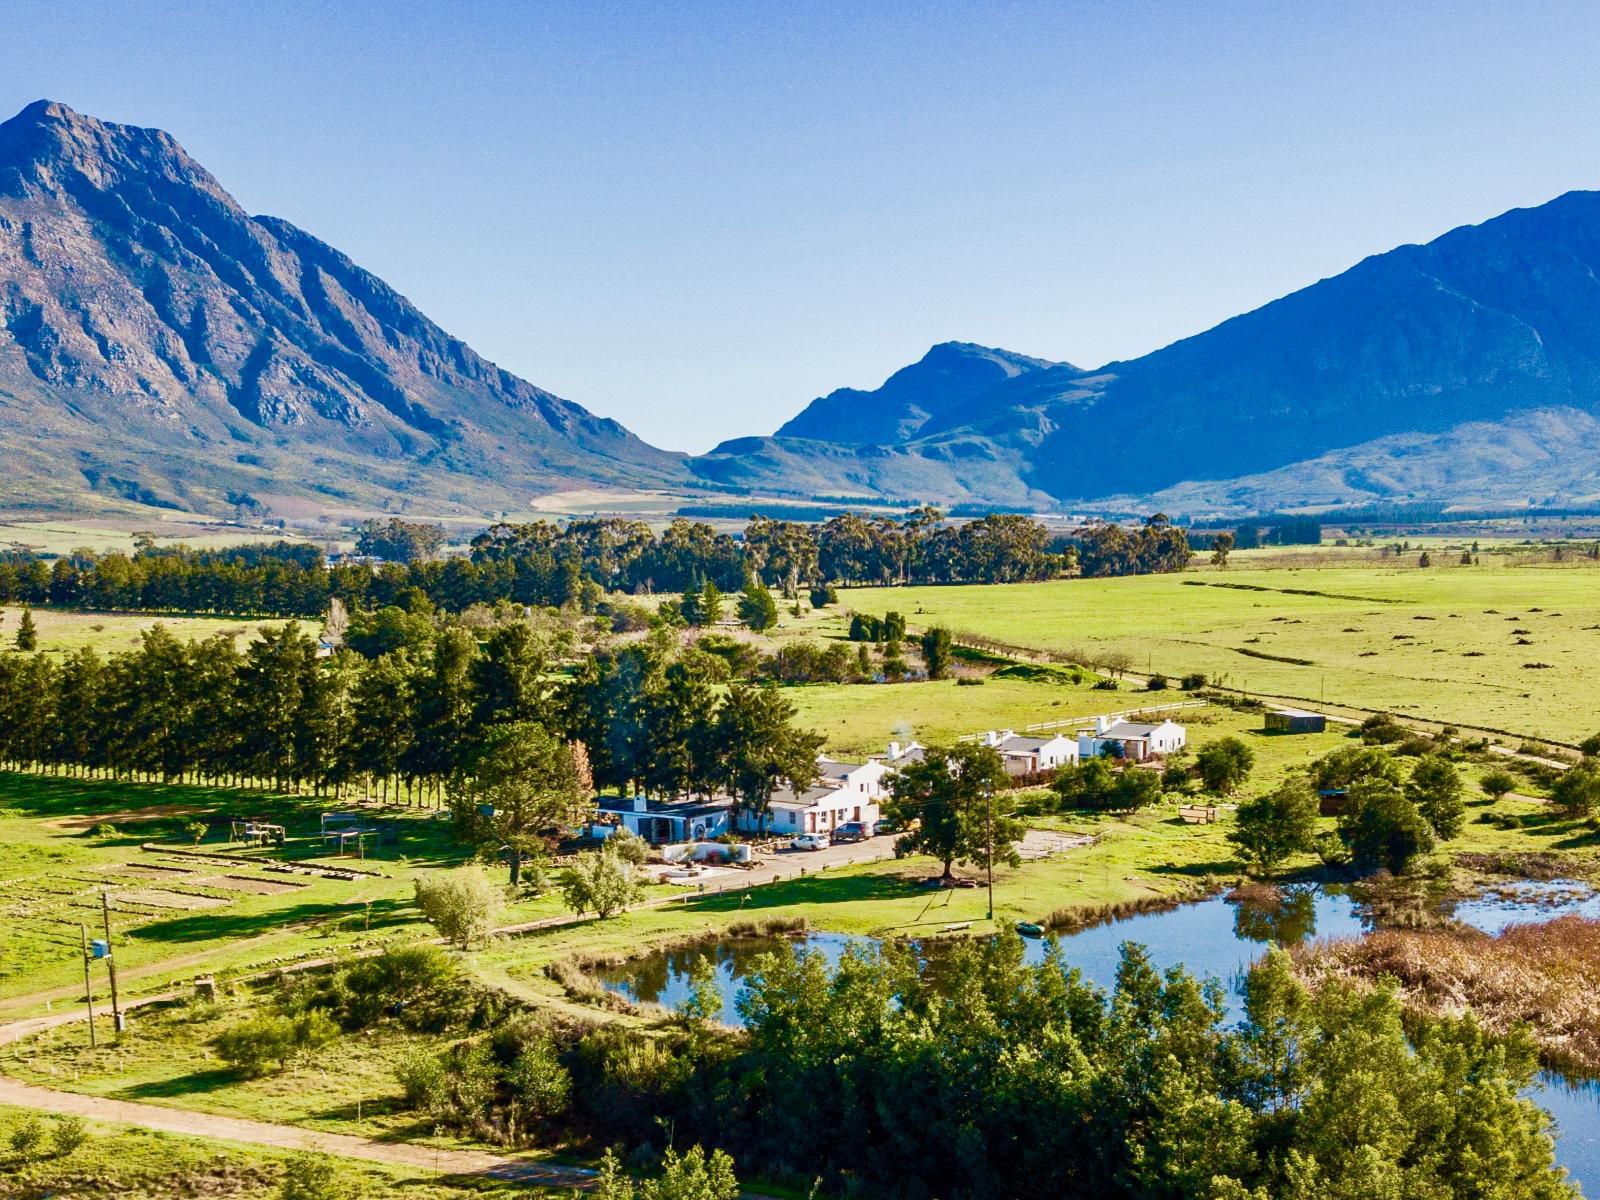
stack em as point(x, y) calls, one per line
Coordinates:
point(694, 217)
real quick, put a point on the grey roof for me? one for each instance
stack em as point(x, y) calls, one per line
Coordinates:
point(1128, 729)
point(1294, 712)
point(1015, 744)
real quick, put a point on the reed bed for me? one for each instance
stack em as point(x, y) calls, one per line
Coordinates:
point(1546, 976)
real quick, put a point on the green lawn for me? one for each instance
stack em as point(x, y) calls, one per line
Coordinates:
point(1513, 647)
point(171, 917)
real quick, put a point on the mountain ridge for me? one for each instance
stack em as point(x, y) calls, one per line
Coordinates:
point(1479, 325)
point(238, 354)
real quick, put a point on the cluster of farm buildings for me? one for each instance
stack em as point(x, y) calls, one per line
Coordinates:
point(852, 792)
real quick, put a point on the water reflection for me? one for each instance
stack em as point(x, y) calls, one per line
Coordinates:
point(1220, 937)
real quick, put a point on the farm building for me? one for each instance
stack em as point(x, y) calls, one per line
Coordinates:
point(1130, 740)
point(662, 821)
point(1030, 755)
point(1295, 720)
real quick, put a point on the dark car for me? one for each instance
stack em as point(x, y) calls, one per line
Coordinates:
point(852, 831)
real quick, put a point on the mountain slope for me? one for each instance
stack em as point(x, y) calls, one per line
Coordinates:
point(952, 378)
point(1484, 324)
point(159, 343)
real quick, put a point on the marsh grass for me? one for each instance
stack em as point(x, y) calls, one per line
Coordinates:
point(1545, 976)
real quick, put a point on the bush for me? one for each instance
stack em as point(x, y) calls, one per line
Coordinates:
point(1590, 746)
point(68, 1134)
point(1382, 828)
point(821, 597)
point(1577, 792)
point(422, 1078)
point(416, 980)
point(1498, 783)
point(1194, 682)
point(1106, 685)
point(27, 1138)
point(313, 1177)
point(254, 1045)
point(1435, 788)
point(629, 847)
point(105, 830)
point(601, 881)
point(460, 904)
point(1156, 683)
point(1382, 729)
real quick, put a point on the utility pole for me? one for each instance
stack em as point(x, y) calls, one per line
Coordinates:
point(988, 796)
point(88, 989)
point(111, 963)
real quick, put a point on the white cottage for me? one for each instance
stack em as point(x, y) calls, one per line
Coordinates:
point(1024, 755)
point(661, 821)
point(843, 792)
point(1130, 740)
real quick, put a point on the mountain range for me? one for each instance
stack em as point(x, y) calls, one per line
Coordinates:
point(159, 344)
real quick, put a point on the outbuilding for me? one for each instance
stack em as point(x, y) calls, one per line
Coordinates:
point(1295, 720)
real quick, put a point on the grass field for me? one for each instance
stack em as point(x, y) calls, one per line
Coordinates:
point(102, 536)
point(1514, 648)
point(171, 913)
point(61, 631)
point(166, 1058)
point(857, 719)
point(125, 1163)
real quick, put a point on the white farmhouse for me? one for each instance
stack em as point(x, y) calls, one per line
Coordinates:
point(843, 792)
point(1130, 740)
point(1024, 755)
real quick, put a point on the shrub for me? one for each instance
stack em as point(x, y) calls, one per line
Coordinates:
point(313, 1177)
point(27, 1137)
point(1498, 783)
point(629, 847)
point(397, 981)
point(1381, 827)
point(1590, 745)
point(1435, 788)
point(254, 1045)
point(67, 1135)
point(422, 1078)
point(460, 904)
point(1156, 683)
point(1106, 685)
point(1193, 682)
point(1382, 729)
point(105, 830)
point(601, 881)
point(1577, 792)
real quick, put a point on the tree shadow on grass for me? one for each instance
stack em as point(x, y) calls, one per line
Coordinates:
point(196, 1083)
point(813, 889)
point(226, 924)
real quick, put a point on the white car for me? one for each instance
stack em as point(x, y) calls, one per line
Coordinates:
point(809, 841)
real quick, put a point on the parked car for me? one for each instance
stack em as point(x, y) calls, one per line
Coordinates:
point(852, 831)
point(879, 828)
point(809, 841)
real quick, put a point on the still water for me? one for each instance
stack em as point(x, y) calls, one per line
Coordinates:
point(1209, 937)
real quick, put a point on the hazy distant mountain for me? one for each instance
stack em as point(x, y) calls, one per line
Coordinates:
point(951, 380)
point(1389, 379)
point(159, 343)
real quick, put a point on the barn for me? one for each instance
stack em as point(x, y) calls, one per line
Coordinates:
point(1295, 720)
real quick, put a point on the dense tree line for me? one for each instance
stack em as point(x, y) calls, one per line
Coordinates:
point(454, 708)
point(577, 563)
point(971, 1075)
point(1155, 546)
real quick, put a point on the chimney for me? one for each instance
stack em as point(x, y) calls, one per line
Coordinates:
point(894, 750)
point(1101, 724)
point(641, 804)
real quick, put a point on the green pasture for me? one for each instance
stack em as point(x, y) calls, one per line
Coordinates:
point(1496, 646)
point(128, 1163)
point(62, 631)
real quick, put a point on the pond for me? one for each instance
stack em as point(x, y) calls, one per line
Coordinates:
point(1215, 937)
